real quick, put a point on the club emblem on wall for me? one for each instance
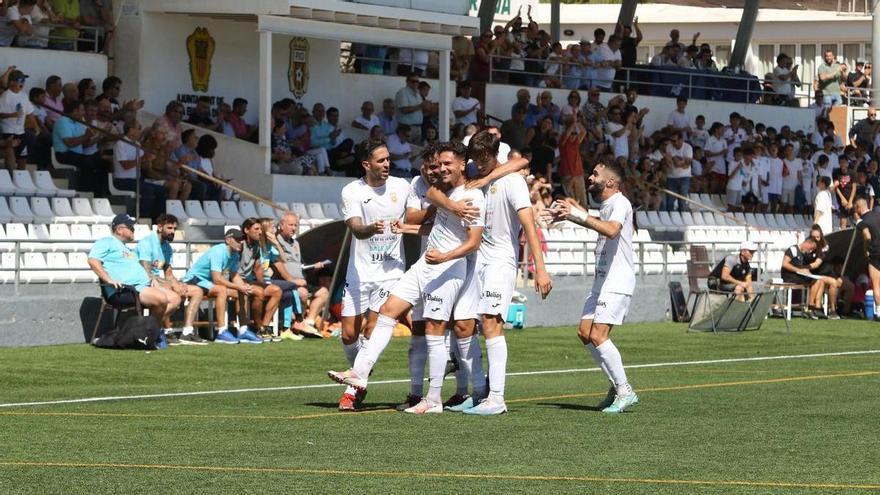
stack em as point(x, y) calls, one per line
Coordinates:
point(298, 72)
point(200, 47)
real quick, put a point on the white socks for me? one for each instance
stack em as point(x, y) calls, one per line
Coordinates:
point(461, 374)
point(167, 330)
point(418, 355)
point(609, 354)
point(351, 351)
point(189, 330)
point(437, 357)
point(496, 352)
point(471, 357)
point(369, 354)
point(598, 358)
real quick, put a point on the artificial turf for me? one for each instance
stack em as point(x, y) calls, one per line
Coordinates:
point(802, 425)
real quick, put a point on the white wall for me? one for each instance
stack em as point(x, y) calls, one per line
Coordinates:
point(40, 64)
point(501, 97)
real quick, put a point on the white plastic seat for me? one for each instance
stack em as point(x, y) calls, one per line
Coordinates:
point(194, 212)
point(21, 210)
point(38, 261)
point(102, 209)
point(16, 231)
point(63, 213)
point(118, 192)
point(301, 210)
point(5, 212)
point(59, 232)
point(46, 186)
point(42, 211)
point(24, 185)
point(315, 211)
point(83, 209)
point(79, 270)
point(247, 209)
point(331, 210)
point(666, 218)
point(100, 231)
point(38, 232)
point(80, 232)
point(266, 211)
point(58, 165)
point(7, 187)
point(212, 211)
point(230, 211)
point(175, 207)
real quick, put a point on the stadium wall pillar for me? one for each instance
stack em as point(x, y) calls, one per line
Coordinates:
point(555, 32)
point(445, 97)
point(265, 89)
point(744, 33)
point(627, 12)
point(875, 54)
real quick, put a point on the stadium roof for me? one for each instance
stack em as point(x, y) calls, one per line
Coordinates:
point(829, 5)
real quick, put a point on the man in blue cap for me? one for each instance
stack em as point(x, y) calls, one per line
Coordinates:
point(117, 266)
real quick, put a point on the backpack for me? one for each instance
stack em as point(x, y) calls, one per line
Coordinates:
point(135, 332)
point(678, 303)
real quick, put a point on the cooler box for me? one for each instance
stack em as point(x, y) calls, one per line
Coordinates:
point(516, 314)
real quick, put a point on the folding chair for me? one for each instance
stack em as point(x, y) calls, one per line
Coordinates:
point(119, 307)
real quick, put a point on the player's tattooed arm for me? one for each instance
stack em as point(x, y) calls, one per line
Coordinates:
point(475, 234)
point(571, 211)
point(361, 231)
point(510, 167)
point(464, 209)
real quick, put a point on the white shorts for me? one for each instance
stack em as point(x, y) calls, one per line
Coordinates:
point(469, 298)
point(734, 197)
point(496, 288)
point(787, 196)
point(357, 299)
point(608, 308)
point(436, 290)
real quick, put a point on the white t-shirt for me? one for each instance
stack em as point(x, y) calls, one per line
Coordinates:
point(369, 124)
point(686, 153)
point(418, 199)
point(738, 137)
point(206, 166)
point(604, 76)
point(808, 181)
point(460, 104)
point(449, 230)
point(615, 271)
point(781, 87)
point(699, 137)
point(397, 147)
point(738, 177)
point(9, 103)
point(504, 198)
point(823, 206)
point(774, 166)
point(124, 152)
point(380, 257)
point(762, 171)
point(714, 145)
point(833, 163)
point(790, 181)
point(619, 144)
point(678, 120)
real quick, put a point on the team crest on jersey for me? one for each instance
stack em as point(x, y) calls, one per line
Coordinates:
point(394, 197)
point(493, 189)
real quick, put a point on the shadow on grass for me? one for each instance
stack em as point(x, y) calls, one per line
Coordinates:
point(571, 407)
point(370, 407)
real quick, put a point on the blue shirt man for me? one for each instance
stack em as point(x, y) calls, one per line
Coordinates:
point(217, 259)
point(156, 252)
point(65, 128)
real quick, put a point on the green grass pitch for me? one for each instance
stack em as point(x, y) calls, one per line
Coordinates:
point(800, 425)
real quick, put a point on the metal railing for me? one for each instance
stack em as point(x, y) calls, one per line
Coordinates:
point(97, 32)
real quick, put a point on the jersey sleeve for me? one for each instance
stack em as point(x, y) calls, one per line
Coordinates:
point(100, 249)
point(413, 200)
point(478, 200)
point(144, 250)
point(218, 261)
point(619, 212)
point(730, 261)
point(519, 193)
point(351, 204)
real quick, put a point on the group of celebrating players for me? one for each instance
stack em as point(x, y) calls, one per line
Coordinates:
point(469, 210)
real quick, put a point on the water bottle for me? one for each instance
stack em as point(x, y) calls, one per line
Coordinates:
point(869, 305)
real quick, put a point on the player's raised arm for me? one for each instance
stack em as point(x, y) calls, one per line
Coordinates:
point(543, 284)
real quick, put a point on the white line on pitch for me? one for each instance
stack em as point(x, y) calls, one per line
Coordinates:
point(384, 382)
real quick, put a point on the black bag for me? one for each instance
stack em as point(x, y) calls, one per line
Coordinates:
point(678, 303)
point(136, 332)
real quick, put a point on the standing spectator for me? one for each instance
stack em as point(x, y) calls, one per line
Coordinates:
point(864, 131)
point(618, 131)
point(388, 119)
point(16, 113)
point(546, 108)
point(401, 152)
point(823, 205)
point(699, 135)
point(201, 114)
point(776, 169)
point(54, 100)
point(126, 160)
point(410, 105)
point(826, 160)
point(482, 54)
point(715, 151)
point(412, 61)
point(678, 119)
point(553, 67)
point(514, 130)
point(808, 183)
point(628, 44)
point(462, 53)
point(677, 160)
point(571, 166)
point(18, 22)
point(367, 119)
point(95, 13)
point(608, 60)
point(861, 80)
point(223, 125)
point(785, 78)
point(587, 69)
point(465, 107)
point(64, 38)
point(734, 134)
point(523, 99)
point(737, 176)
point(430, 111)
point(830, 76)
point(792, 176)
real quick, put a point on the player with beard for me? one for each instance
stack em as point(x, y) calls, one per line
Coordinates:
point(376, 260)
point(435, 281)
point(154, 252)
point(608, 302)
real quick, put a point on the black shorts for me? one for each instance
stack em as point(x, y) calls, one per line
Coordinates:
point(718, 285)
point(796, 278)
point(874, 261)
point(22, 145)
point(126, 296)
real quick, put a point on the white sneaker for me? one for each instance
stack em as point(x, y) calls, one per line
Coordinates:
point(487, 408)
point(425, 407)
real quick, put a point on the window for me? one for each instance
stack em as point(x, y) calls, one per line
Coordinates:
point(786, 49)
point(766, 58)
point(722, 55)
point(808, 63)
point(643, 54)
point(868, 53)
point(851, 54)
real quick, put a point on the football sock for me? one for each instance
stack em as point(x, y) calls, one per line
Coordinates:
point(350, 391)
point(351, 351)
point(168, 330)
point(461, 374)
point(611, 356)
point(222, 329)
point(189, 330)
point(418, 355)
point(370, 352)
point(598, 358)
point(243, 329)
point(437, 358)
point(471, 357)
point(496, 352)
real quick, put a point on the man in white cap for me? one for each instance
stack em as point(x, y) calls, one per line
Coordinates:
point(733, 273)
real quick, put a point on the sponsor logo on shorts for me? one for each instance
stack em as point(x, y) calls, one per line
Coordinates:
point(600, 304)
point(367, 200)
point(432, 298)
point(492, 294)
point(496, 305)
point(383, 293)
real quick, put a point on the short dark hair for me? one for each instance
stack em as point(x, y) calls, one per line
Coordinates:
point(173, 104)
point(824, 180)
point(613, 38)
point(455, 147)
point(681, 99)
point(483, 146)
point(332, 110)
point(370, 147)
point(597, 32)
point(71, 105)
point(402, 128)
point(241, 101)
point(206, 147)
point(108, 83)
point(186, 134)
point(204, 99)
point(165, 219)
point(36, 93)
point(52, 80)
point(428, 152)
point(616, 169)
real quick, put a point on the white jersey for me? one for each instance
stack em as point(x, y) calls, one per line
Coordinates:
point(450, 231)
point(418, 199)
point(380, 257)
point(615, 271)
point(504, 198)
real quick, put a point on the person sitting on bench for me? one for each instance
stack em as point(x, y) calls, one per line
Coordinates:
point(733, 273)
point(795, 270)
